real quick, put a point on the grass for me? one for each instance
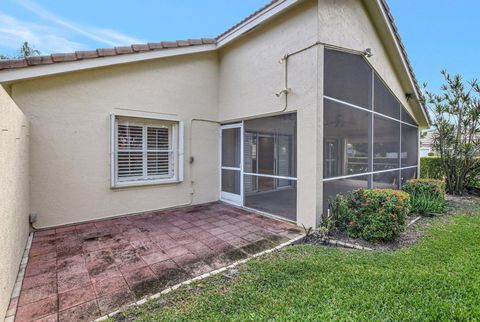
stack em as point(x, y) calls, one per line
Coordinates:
point(436, 279)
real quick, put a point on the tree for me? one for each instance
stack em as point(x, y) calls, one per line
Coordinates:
point(25, 51)
point(456, 120)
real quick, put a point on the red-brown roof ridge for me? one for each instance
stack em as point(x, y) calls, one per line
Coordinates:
point(101, 52)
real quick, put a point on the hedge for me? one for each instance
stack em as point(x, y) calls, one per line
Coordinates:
point(431, 168)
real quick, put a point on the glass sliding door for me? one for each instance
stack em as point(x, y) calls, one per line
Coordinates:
point(231, 164)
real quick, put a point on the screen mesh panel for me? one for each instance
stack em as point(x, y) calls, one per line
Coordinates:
point(409, 145)
point(386, 180)
point(407, 174)
point(407, 118)
point(384, 101)
point(363, 131)
point(386, 144)
point(334, 187)
point(270, 163)
point(348, 78)
point(274, 198)
point(346, 140)
point(231, 181)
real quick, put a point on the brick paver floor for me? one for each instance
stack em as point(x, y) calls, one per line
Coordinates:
point(81, 272)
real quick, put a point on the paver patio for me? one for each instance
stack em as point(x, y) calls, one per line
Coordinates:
point(84, 271)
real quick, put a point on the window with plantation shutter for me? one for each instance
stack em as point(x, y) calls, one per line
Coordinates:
point(144, 151)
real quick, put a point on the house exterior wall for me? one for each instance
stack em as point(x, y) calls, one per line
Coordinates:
point(70, 136)
point(14, 194)
point(347, 23)
point(70, 113)
point(250, 75)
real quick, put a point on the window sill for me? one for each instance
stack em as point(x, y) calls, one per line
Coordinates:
point(128, 184)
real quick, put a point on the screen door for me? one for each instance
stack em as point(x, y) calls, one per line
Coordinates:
point(231, 162)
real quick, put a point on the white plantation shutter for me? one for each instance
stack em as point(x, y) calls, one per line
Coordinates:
point(144, 150)
point(129, 151)
point(159, 151)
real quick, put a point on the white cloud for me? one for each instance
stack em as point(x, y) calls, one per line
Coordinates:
point(14, 32)
point(105, 36)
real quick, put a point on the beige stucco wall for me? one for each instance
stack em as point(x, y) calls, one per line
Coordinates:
point(70, 135)
point(70, 127)
point(346, 23)
point(250, 75)
point(14, 194)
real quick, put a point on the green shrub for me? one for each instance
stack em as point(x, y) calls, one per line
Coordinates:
point(431, 168)
point(427, 196)
point(372, 214)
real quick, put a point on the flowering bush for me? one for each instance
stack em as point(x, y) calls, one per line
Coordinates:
point(427, 195)
point(372, 214)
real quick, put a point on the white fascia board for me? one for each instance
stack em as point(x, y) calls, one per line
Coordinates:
point(256, 20)
point(400, 52)
point(65, 67)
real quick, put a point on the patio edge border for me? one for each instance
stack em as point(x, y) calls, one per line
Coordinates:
point(201, 277)
point(11, 313)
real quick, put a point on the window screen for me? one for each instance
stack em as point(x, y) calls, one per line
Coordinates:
point(407, 118)
point(270, 163)
point(386, 180)
point(407, 174)
point(334, 187)
point(384, 101)
point(348, 78)
point(386, 144)
point(363, 131)
point(346, 140)
point(409, 145)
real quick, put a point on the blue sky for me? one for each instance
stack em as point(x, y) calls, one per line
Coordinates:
point(437, 33)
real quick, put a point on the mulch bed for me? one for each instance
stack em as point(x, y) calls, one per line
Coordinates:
point(409, 237)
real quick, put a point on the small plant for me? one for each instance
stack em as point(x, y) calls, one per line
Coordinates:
point(328, 224)
point(427, 196)
point(307, 231)
point(372, 214)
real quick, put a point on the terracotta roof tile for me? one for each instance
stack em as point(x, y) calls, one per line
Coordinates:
point(85, 54)
point(209, 40)
point(194, 42)
point(155, 45)
point(140, 47)
point(63, 57)
point(103, 52)
point(13, 63)
point(402, 48)
point(169, 44)
point(39, 60)
point(247, 18)
point(183, 43)
point(123, 50)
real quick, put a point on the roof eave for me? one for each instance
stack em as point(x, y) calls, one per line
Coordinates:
point(405, 63)
point(19, 74)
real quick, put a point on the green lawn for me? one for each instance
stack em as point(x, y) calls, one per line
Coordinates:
point(436, 279)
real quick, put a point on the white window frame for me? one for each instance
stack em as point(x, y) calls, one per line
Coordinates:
point(176, 134)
